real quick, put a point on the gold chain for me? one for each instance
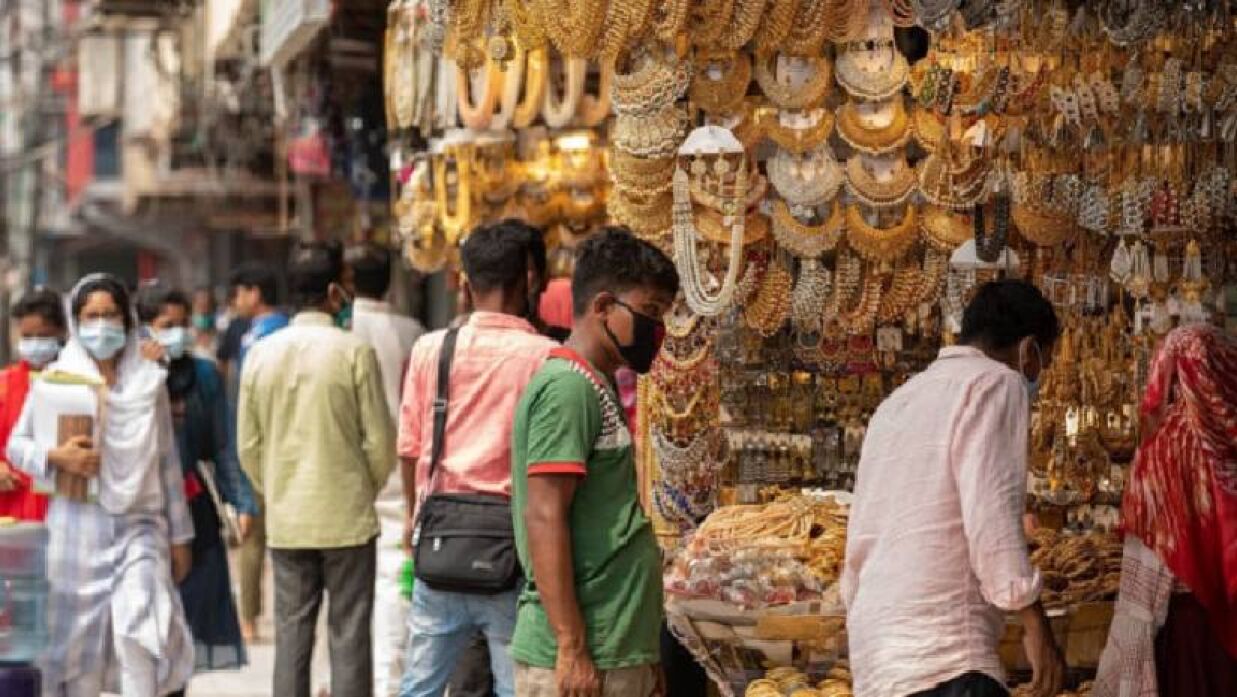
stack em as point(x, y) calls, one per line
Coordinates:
point(803, 240)
point(769, 310)
point(877, 244)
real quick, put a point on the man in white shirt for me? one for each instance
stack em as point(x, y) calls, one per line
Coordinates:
point(368, 274)
point(936, 555)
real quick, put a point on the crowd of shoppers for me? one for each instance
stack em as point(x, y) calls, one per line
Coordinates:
point(150, 433)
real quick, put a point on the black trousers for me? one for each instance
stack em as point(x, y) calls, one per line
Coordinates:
point(968, 685)
point(472, 676)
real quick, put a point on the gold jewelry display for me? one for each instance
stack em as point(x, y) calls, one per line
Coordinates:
point(670, 18)
point(638, 173)
point(478, 115)
point(807, 241)
point(903, 292)
point(455, 218)
point(877, 244)
point(809, 30)
point(647, 215)
point(744, 21)
point(725, 94)
point(873, 85)
point(573, 26)
point(1042, 228)
point(944, 229)
point(625, 20)
point(928, 129)
point(809, 180)
point(863, 184)
point(655, 136)
point(536, 64)
point(709, 20)
point(558, 111)
point(595, 109)
point(787, 96)
point(861, 320)
point(711, 224)
point(769, 310)
point(524, 24)
point(874, 140)
point(656, 81)
point(950, 180)
point(775, 26)
point(797, 140)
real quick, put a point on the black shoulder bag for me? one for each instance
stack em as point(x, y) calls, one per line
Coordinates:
point(464, 543)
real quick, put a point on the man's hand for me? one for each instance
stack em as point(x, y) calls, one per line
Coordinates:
point(77, 456)
point(8, 478)
point(244, 526)
point(1043, 654)
point(410, 528)
point(575, 673)
point(182, 562)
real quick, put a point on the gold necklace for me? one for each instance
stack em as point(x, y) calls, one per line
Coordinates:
point(798, 140)
point(647, 215)
point(712, 226)
point(710, 20)
point(861, 320)
point(877, 244)
point(477, 116)
point(595, 109)
point(454, 222)
point(536, 66)
point(573, 26)
point(903, 292)
point(724, 95)
point(1042, 228)
point(950, 183)
point(744, 21)
point(656, 81)
point(928, 129)
point(785, 96)
point(863, 185)
point(656, 136)
point(809, 31)
point(770, 309)
point(803, 240)
point(944, 229)
point(874, 141)
point(625, 20)
point(669, 19)
point(873, 85)
point(524, 25)
point(639, 173)
point(775, 26)
point(559, 111)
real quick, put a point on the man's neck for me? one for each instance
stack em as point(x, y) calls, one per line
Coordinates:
point(263, 311)
point(593, 349)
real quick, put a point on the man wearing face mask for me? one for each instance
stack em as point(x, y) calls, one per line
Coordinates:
point(315, 437)
point(936, 554)
point(590, 616)
point(41, 325)
point(496, 352)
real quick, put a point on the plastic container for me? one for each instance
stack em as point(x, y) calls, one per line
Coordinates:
point(23, 620)
point(23, 551)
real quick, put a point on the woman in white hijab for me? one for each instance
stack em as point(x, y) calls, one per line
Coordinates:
point(97, 430)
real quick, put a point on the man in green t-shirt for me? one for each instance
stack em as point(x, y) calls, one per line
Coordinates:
point(590, 617)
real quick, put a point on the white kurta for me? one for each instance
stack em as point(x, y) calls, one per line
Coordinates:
point(115, 618)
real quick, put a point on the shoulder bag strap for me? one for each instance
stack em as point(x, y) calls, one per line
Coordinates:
point(445, 355)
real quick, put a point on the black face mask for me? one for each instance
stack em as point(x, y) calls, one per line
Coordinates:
point(647, 335)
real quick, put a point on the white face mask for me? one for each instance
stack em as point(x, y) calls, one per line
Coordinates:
point(175, 340)
point(39, 351)
point(1033, 385)
point(102, 338)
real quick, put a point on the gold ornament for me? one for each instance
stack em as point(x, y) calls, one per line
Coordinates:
point(877, 244)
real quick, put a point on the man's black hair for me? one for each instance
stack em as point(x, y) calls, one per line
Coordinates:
point(45, 303)
point(495, 257)
point(371, 269)
point(536, 243)
point(617, 261)
point(260, 276)
point(105, 284)
point(152, 298)
point(1003, 312)
point(312, 268)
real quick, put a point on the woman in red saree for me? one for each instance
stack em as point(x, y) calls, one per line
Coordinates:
point(1175, 629)
point(40, 321)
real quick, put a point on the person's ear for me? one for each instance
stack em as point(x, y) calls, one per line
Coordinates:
point(602, 302)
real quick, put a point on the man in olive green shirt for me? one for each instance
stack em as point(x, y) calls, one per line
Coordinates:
point(316, 438)
point(589, 622)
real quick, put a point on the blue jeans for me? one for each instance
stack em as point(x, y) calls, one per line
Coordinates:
point(441, 625)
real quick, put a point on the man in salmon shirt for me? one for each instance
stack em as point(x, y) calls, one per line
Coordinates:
point(41, 325)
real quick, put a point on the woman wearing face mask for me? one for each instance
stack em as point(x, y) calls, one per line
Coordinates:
point(41, 324)
point(199, 415)
point(119, 527)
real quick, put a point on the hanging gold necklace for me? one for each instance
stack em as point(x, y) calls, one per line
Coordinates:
point(595, 109)
point(625, 20)
point(770, 309)
point(803, 240)
point(724, 95)
point(454, 222)
point(808, 31)
point(670, 18)
point(798, 140)
point(775, 26)
point(806, 180)
point(1042, 228)
point(656, 82)
point(711, 224)
point(874, 140)
point(477, 115)
point(951, 181)
point(863, 184)
point(877, 244)
point(558, 111)
point(573, 26)
point(785, 95)
point(944, 229)
point(865, 83)
point(536, 66)
point(744, 21)
point(928, 128)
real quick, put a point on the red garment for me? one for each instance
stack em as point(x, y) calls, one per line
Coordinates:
point(556, 309)
point(22, 503)
point(1182, 497)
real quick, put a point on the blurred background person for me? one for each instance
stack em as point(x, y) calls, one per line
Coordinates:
point(199, 415)
point(1174, 632)
point(114, 557)
point(41, 327)
point(204, 322)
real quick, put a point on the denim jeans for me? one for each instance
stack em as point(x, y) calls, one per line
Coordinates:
point(441, 625)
